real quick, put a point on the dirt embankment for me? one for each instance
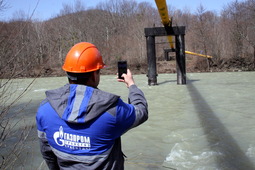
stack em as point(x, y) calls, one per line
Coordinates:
point(192, 65)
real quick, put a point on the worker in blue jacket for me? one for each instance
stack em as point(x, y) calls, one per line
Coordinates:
point(79, 126)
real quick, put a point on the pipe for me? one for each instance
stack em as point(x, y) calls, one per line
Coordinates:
point(201, 55)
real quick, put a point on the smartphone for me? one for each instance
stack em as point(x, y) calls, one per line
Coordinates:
point(122, 68)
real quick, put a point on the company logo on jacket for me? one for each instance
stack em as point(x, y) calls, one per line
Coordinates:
point(71, 141)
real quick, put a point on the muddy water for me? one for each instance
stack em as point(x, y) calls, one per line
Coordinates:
point(207, 124)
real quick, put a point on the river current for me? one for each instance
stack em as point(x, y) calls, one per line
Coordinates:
point(207, 124)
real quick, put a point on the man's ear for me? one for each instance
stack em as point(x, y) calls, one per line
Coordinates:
point(93, 77)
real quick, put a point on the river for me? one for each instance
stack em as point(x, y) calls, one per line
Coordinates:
point(207, 124)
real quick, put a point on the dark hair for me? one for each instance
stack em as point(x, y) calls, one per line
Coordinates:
point(78, 78)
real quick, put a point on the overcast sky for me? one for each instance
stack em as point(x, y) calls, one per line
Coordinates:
point(50, 8)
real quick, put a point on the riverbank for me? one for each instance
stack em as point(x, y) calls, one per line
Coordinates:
point(193, 65)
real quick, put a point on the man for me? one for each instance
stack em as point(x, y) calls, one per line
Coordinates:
point(79, 126)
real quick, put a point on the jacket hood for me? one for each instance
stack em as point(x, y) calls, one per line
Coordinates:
point(80, 104)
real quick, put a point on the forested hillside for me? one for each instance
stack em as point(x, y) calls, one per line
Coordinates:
point(34, 48)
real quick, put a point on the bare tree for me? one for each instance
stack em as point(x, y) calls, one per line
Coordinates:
point(3, 6)
point(117, 28)
point(14, 38)
point(203, 27)
point(240, 16)
point(248, 24)
point(235, 14)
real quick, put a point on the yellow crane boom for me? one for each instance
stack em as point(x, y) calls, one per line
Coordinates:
point(166, 21)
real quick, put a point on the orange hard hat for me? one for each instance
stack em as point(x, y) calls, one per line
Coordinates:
point(83, 57)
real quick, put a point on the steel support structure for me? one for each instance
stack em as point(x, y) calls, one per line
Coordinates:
point(179, 33)
point(166, 53)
